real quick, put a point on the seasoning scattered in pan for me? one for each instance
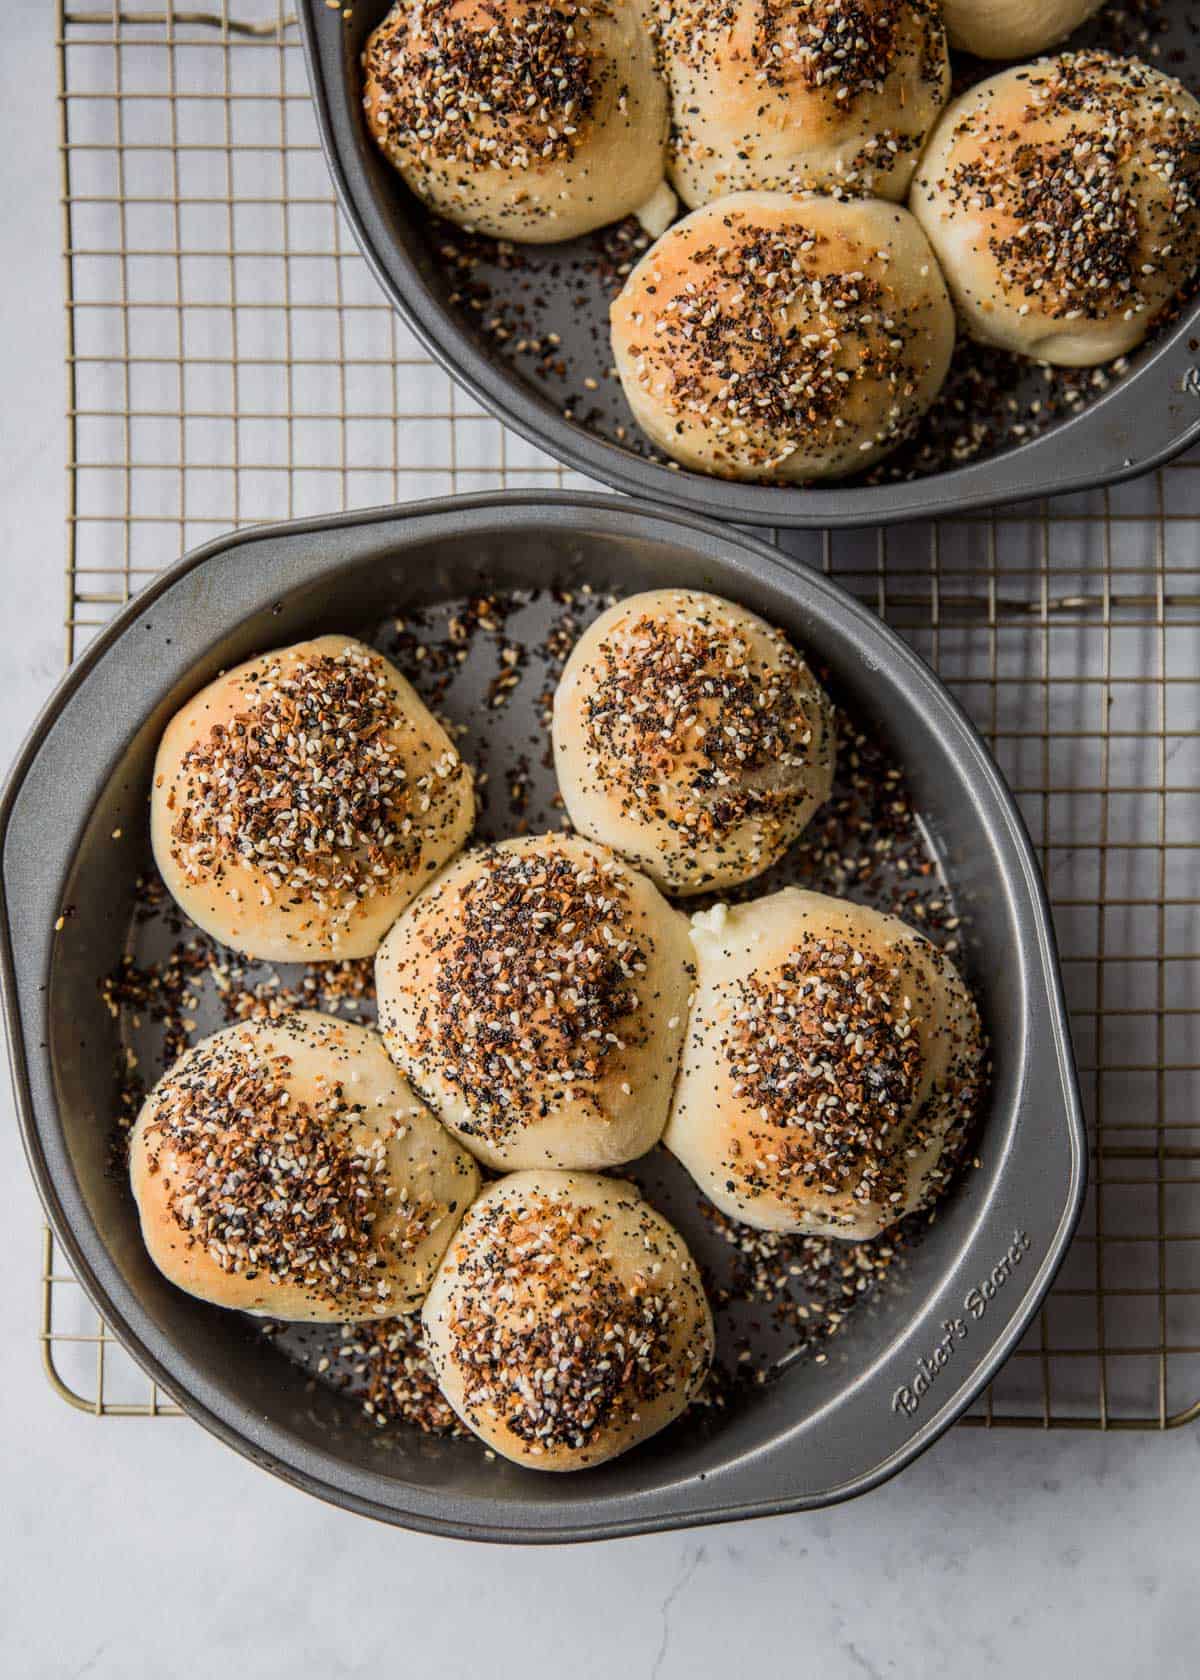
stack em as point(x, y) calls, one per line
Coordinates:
point(775, 1299)
point(544, 310)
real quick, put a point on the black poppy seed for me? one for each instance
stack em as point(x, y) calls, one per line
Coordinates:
point(555, 1338)
point(498, 86)
point(307, 784)
point(264, 1183)
point(535, 984)
point(686, 719)
point(827, 1051)
point(1084, 219)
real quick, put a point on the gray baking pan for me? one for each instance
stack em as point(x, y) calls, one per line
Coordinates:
point(73, 826)
point(551, 304)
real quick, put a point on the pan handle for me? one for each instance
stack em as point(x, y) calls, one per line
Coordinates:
point(1144, 421)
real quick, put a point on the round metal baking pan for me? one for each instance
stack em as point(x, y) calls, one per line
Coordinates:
point(1149, 415)
point(896, 1376)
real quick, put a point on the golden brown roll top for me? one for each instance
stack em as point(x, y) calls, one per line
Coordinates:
point(532, 120)
point(692, 738)
point(1013, 28)
point(286, 1168)
point(536, 996)
point(832, 1064)
point(568, 1321)
point(773, 337)
point(1063, 201)
point(790, 95)
point(301, 800)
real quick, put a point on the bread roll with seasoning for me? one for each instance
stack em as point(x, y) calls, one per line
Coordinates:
point(286, 1168)
point(301, 800)
point(835, 95)
point(568, 1321)
point(692, 738)
point(536, 996)
point(833, 1063)
point(783, 338)
point(1063, 201)
point(1013, 28)
point(533, 120)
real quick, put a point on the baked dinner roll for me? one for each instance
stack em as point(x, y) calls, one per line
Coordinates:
point(833, 1059)
point(568, 1321)
point(285, 1167)
point(1063, 201)
point(534, 120)
point(536, 995)
point(302, 799)
point(1013, 28)
point(837, 95)
point(692, 738)
point(772, 337)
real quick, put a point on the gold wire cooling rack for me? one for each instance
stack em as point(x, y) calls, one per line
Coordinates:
point(230, 359)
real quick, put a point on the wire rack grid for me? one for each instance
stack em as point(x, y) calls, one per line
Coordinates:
point(230, 359)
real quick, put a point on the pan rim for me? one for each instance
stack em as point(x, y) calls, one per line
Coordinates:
point(1144, 421)
point(104, 1291)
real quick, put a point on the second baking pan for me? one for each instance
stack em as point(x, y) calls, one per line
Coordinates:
point(451, 293)
point(73, 846)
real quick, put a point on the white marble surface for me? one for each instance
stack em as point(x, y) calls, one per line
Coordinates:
point(133, 1549)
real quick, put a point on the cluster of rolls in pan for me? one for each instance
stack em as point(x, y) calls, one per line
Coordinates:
point(546, 1012)
point(845, 216)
